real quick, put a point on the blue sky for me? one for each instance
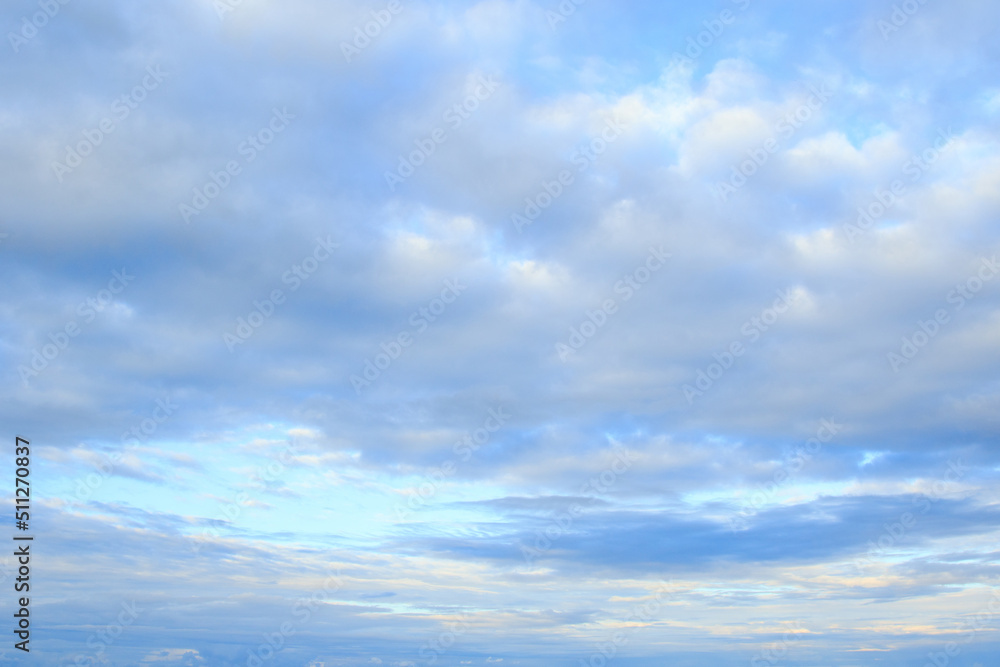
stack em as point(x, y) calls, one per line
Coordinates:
point(508, 333)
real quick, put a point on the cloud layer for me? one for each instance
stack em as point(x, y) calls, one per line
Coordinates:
point(456, 333)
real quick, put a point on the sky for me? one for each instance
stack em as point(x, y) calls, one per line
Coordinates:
point(503, 332)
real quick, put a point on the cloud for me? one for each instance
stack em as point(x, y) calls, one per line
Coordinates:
point(276, 470)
